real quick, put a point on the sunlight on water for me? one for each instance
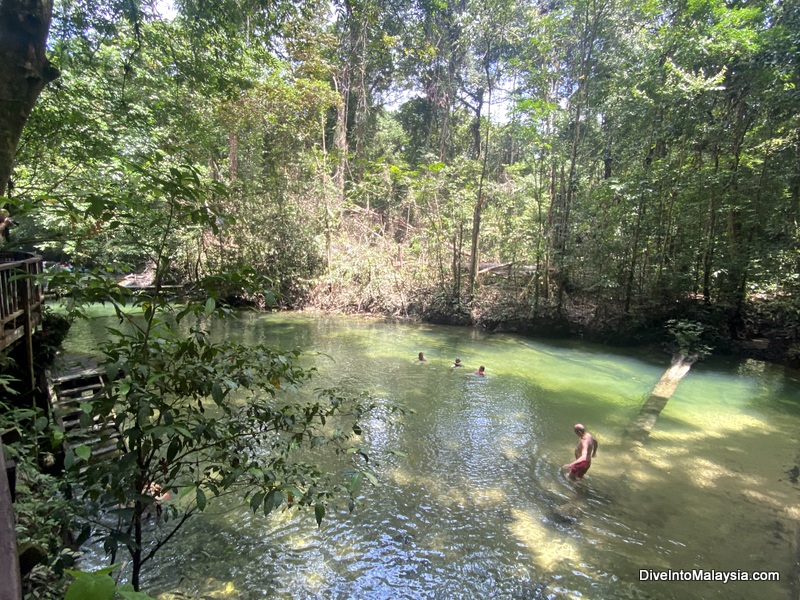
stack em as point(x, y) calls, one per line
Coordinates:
point(546, 545)
point(478, 507)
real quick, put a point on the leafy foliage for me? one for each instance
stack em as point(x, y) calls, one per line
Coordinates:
point(644, 154)
point(45, 515)
point(98, 585)
point(688, 335)
point(198, 417)
point(641, 156)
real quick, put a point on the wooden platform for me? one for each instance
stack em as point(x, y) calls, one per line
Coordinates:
point(71, 394)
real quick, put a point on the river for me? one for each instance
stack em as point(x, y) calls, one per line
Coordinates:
point(476, 506)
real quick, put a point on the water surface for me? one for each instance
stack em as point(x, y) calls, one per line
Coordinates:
point(476, 508)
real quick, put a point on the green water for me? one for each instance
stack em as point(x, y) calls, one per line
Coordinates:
point(473, 510)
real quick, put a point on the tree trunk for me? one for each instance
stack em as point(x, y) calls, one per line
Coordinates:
point(734, 283)
point(340, 134)
point(476, 229)
point(136, 552)
point(634, 253)
point(233, 156)
point(711, 235)
point(458, 244)
point(10, 586)
point(579, 105)
point(795, 201)
point(24, 71)
point(476, 215)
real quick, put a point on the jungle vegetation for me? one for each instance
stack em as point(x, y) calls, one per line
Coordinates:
point(604, 168)
point(585, 166)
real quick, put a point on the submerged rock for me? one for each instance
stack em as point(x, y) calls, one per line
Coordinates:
point(567, 513)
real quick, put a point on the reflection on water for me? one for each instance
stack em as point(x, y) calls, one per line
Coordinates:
point(479, 509)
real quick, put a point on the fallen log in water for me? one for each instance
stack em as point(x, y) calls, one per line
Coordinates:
point(638, 431)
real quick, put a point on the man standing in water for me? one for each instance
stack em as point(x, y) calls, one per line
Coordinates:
point(584, 452)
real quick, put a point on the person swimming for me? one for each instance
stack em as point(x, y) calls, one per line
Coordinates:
point(481, 372)
point(457, 363)
point(421, 357)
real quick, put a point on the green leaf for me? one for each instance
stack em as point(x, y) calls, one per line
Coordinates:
point(355, 482)
point(91, 586)
point(217, 393)
point(174, 447)
point(96, 206)
point(274, 500)
point(183, 431)
point(372, 479)
point(83, 452)
point(210, 305)
point(201, 499)
point(255, 501)
point(319, 512)
point(112, 370)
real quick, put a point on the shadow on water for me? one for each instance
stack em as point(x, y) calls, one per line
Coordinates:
point(479, 507)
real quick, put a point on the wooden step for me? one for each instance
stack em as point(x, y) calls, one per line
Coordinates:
point(80, 391)
point(68, 392)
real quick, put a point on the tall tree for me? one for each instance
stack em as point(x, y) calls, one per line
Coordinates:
point(493, 27)
point(24, 71)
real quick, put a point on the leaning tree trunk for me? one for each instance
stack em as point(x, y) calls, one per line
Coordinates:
point(24, 71)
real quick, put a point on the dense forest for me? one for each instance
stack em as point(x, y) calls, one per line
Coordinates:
point(593, 167)
point(622, 171)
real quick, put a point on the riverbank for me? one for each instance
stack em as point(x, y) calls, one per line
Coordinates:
point(761, 331)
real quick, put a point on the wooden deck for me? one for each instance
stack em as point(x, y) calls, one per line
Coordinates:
point(21, 306)
point(21, 296)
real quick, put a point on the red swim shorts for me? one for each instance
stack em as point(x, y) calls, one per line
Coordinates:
point(579, 469)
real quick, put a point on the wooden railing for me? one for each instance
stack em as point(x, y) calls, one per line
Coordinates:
point(21, 306)
point(21, 296)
